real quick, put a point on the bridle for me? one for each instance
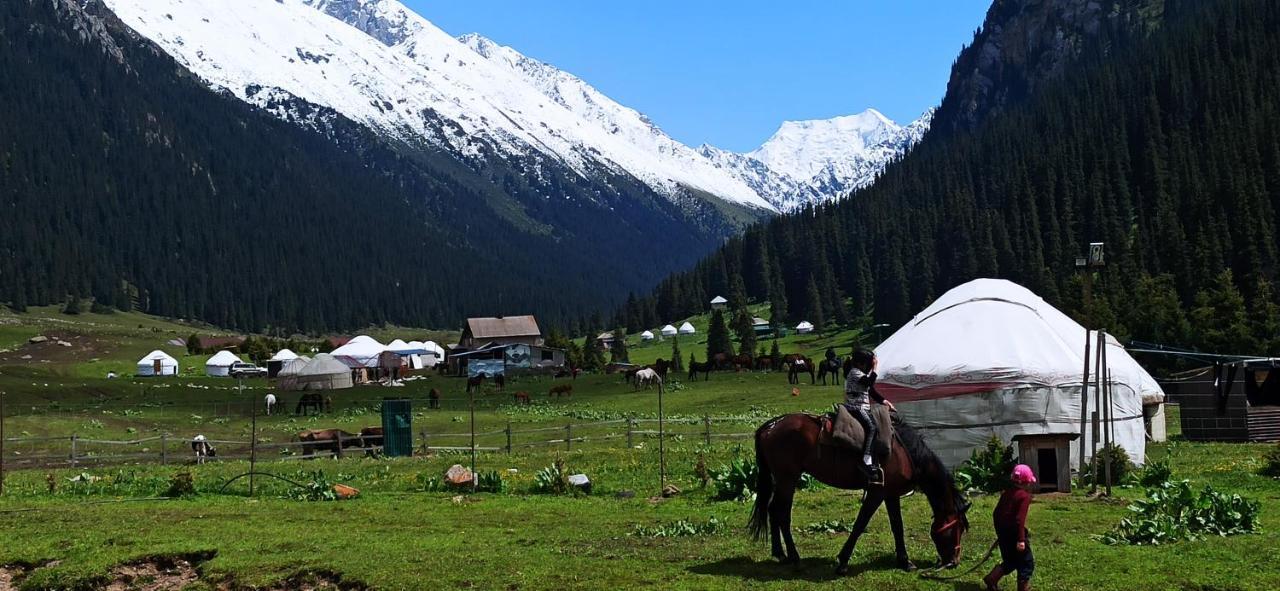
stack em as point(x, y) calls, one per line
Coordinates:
point(955, 527)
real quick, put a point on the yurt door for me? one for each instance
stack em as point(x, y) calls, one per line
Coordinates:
point(157, 367)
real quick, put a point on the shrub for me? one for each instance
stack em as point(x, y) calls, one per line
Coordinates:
point(736, 481)
point(1271, 463)
point(1173, 511)
point(681, 528)
point(490, 482)
point(182, 485)
point(1120, 465)
point(553, 479)
point(316, 487)
point(987, 469)
point(1153, 474)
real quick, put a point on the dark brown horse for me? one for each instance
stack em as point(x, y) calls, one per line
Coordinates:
point(832, 367)
point(721, 361)
point(700, 367)
point(475, 381)
point(764, 363)
point(743, 362)
point(800, 365)
point(662, 366)
point(327, 440)
point(789, 446)
point(561, 390)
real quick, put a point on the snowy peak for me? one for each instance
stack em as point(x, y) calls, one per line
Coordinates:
point(803, 149)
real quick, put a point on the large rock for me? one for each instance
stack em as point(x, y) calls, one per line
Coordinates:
point(458, 475)
point(581, 481)
point(37, 339)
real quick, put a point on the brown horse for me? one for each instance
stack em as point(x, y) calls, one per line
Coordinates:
point(743, 362)
point(662, 366)
point(700, 367)
point(789, 446)
point(522, 397)
point(831, 367)
point(800, 365)
point(561, 389)
point(327, 440)
point(764, 363)
point(721, 361)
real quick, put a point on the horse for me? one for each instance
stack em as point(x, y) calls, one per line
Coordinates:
point(700, 367)
point(561, 390)
point(801, 365)
point(433, 398)
point(661, 366)
point(522, 397)
point(764, 363)
point(371, 437)
point(327, 439)
point(647, 378)
point(475, 381)
point(789, 446)
point(630, 374)
point(743, 361)
point(829, 366)
point(721, 361)
point(308, 402)
point(500, 381)
point(202, 448)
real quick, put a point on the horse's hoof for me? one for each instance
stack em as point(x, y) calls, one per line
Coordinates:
point(907, 566)
point(842, 569)
point(780, 557)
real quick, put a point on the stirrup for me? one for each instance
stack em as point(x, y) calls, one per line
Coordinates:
point(875, 475)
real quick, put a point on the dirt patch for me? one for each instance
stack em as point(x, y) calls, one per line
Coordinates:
point(11, 575)
point(59, 348)
point(156, 573)
point(318, 581)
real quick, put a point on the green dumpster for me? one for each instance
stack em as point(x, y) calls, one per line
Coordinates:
point(397, 427)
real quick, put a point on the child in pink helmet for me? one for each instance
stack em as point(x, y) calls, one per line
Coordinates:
point(1010, 519)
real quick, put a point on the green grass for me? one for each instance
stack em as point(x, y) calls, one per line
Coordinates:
point(396, 535)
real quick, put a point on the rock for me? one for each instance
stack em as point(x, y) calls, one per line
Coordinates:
point(63, 344)
point(670, 490)
point(457, 475)
point(513, 471)
point(345, 492)
point(25, 357)
point(37, 339)
point(581, 481)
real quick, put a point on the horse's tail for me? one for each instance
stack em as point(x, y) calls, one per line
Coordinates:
point(759, 524)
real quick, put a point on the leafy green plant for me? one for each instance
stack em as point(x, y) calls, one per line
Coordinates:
point(680, 529)
point(315, 487)
point(1153, 474)
point(491, 482)
point(1271, 462)
point(736, 481)
point(988, 468)
point(553, 479)
point(1173, 512)
point(182, 485)
point(1120, 465)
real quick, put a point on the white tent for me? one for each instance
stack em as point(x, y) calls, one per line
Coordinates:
point(157, 363)
point(687, 328)
point(668, 331)
point(284, 355)
point(364, 350)
point(434, 353)
point(220, 364)
point(646, 335)
point(324, 373)
point(288, 375)
point(718, 302)
point(991, 358)
point(804, 327)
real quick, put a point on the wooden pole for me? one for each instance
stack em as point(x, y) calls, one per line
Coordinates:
point(630, 426)
point(1097, 403)
point(2, 397)
point(568, 437)
point(164, 449)
point(662, 451)
point(73, 451)
point(253, 440)
point(508, 437)
point(1110, 426)
point(707, 429)
point(471, 395)
point(1084, 399)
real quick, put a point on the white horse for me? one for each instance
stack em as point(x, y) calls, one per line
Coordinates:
point(202, 448)
point(648, 377)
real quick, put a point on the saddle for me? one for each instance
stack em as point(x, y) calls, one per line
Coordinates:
point(841, 430)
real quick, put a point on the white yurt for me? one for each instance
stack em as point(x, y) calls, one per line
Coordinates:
point(991, 358)
point(434, 355)
point(219, 365)
point(287, 377)
point(413, 352)
point(646, 335)
point(157, 363)
point(687, 328)
point(363, 349)
point(284, 355)
point(324, 373)
point(668, 331)
point(805, 327)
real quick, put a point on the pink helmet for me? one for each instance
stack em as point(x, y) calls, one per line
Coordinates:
point(1022, 474)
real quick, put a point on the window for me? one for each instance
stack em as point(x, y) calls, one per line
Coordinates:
point(548, 355)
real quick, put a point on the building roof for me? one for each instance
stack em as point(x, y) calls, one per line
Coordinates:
point(218, 342)
point(605, 336)
point(719, 300)
point(222, 359)
point(503, 326)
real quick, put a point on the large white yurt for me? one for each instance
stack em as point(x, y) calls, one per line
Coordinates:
point(219, 365)
point(363, 349)
point(434, 355)
point(287, 377)
point(992, 358)
point(668, 331)
point(646, 335)
point(687, 328)
point(324, 373)
point(157, 363)
point(284, 355)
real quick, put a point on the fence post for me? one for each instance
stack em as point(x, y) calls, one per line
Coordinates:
point(630, 427)
point(508, 437)
point(568, 436)
point(164, 449)
point(73, 450)
point(339, 446)
point(425, 449)
point(707, 421)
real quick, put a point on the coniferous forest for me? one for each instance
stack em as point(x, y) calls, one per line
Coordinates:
point(1161, 139)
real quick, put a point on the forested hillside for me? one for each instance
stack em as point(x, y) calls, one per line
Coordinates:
point(1160, 136)
point(125, 179)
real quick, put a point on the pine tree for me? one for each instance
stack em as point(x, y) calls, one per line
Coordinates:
point(619, 352)
point(718, 341)
point(1265, 316)
point(72, 306)
point(775, 354)
point(778, 315)
point(814, 310)
point(744, 327)
point(677, 360)
point(1220, 319)
point(592, 356)
point(737, 294)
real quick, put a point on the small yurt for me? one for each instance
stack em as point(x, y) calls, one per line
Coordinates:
point(219, 366)
point(804, 327)
point(277, 361)
point(991, 358)
point(284, 355)
point(324, 373)
point(363, 350)
point(157, 363)
point(287, 376)
point(687, 328)
point(719, 303)
point(646, 335)
point(668, 331)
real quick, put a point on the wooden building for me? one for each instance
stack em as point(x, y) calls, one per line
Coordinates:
point(1229, 402)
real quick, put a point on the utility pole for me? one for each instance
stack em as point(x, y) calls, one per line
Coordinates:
point(471, 395)
point(662, 452)
point(1084, 400)
point(253, 438)
point(2, 397)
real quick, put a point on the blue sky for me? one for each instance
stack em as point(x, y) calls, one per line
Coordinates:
point(728, 72)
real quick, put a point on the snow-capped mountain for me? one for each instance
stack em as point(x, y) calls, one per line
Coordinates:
point(380, 64)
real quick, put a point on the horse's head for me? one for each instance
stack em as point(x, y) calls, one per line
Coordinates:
point(947, 532)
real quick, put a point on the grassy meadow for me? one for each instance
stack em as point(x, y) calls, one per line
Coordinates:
point(94, 524)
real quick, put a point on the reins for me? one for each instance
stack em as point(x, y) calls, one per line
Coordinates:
point(932, 573)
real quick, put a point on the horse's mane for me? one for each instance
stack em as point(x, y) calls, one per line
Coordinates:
point(931, 474)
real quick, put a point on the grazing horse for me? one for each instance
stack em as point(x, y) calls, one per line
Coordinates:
point(561, 390)
point(700, 367)
point(789, 446)
point(630, 374)
point(202, 448)
point(308, 402)
point(764, 363)
point(801, 365)
point(327, 439)
point(721, 361)
point(500, 381)
point(647, 378)
point(743, 362)
point(370, 438)
point(522, 397)
point(661, 366)
point(433, 398)
point(829, 366)
point(475, 381)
